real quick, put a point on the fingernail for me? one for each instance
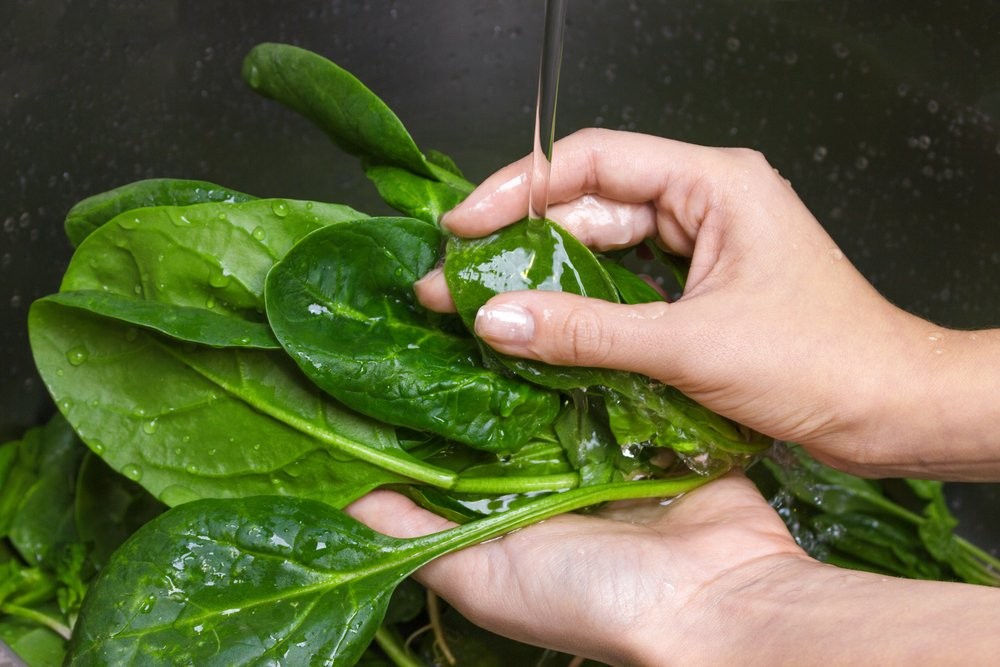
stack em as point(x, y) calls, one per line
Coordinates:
point(505, 323)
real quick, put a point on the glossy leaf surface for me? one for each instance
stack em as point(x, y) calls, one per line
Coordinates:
point(188, 422)
point(209, 256)
point(342, 304)
point(414, 195)
point(186, 323)
point(92, 212)
point(336, 101)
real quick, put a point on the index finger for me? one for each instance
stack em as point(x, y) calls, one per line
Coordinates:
point(626, 167)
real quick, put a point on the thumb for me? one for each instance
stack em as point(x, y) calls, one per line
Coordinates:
point(571, 330)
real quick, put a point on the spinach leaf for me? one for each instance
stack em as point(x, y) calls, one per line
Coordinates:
point(195, 325)
point(276, 579)
point(342, 305)
point(43, 519)
point(352, 115)
point(631, 288)
point(414, 195)
point(92, 212)
point(207, 256)
point(213, 422)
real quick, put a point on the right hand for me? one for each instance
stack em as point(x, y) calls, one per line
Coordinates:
point(775, 329)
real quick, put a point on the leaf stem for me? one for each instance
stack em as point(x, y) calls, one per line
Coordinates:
point(517, 483)
point(52, 624)
point(394, 649)
point(424, 549)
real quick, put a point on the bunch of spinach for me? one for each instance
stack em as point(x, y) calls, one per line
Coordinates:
point(256, 364)
point(249, 366)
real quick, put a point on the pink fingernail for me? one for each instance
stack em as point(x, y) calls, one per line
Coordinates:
point(505, 323)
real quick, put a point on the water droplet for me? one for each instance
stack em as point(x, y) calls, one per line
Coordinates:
point(97, 447)
point(147, 605)
point(149, 427)
point(820, 153)
point(279, 208)
point(733, 44)
point(219, 278)
point(129, 222)
point(259, 233)
point(210, 302)
point(77, 355)
point(840, 50)
point(180, 220)
point(133, 472)
point(191, 469)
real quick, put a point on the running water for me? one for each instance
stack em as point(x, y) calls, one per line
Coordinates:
point(545, 108)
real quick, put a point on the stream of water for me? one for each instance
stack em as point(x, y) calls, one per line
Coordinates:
point(545, 107)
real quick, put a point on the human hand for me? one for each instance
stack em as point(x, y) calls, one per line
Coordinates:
point(775, 328)
point(637, 583)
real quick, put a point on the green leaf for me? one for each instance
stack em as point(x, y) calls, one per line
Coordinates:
point(336, 101)
point(631, 288)
point(186, 323)
point(94, 211)
point(44, 517)
point(109, 507)
point(414, 195)
point(206, 256)
point(271, 579)
point(198, 422)
point(342, 305)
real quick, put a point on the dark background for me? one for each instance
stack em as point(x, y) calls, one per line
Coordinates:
point(883, 114)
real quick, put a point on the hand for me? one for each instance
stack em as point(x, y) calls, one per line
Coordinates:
point(634, 584)
point(775, 329)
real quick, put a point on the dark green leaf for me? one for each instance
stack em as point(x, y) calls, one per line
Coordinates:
point(631, 288)
point(413, 195)
point(207, 256)
point(186, 323)
point(109, 508)
point(275, 579)
point(331, 97)
point(342, 305)
point(44, 518)
point(94, 211)
point(189, 422)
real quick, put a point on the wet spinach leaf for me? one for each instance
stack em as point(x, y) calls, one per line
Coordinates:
point(92, 212)
point(342, 304)
point(208, 256)
point(220, 422)
point(414, 195)
point(317, 580)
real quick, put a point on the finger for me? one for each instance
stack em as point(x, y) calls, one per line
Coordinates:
point(681, 182)
point(605, 224)
point(432, 292)
point(395, 515)
point(498, 201)
point(570, 330)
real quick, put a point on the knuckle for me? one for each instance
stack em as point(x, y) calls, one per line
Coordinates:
point(583, 337)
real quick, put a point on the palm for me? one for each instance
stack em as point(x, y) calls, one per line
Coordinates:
point(559, 582)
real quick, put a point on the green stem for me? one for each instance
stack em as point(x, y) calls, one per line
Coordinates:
point(517, 483)
point(424, 549)
point(394, 649)
point(399, 463)
point(53, 624)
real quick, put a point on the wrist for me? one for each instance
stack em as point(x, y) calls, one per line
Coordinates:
point(940, 417)
point(796, 610)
